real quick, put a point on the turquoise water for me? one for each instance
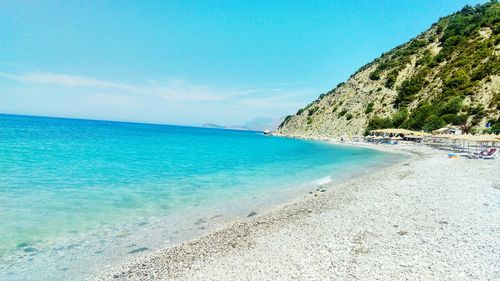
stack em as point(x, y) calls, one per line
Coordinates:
point(77, 194)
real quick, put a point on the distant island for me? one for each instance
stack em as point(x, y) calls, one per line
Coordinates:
point(259, 124)
point(217, 126)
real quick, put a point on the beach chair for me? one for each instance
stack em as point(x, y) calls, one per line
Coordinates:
point(477, 155)
point(491, 154)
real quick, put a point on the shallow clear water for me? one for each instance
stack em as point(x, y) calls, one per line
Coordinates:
point(77, 194)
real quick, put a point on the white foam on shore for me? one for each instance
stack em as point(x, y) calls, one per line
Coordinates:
point(323, 180)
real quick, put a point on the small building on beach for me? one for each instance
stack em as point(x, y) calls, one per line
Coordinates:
point(448, 130)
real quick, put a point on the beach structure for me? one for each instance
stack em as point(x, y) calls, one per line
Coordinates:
point(394, 135)
point(448, 130)
point(448, 138)
point(463, 143)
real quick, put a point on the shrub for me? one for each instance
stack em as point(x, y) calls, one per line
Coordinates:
point(375, 75)
point(299, 112)
point(408, 89)
point(453, 41)
point(426, 58)
point(418, 118)
point(459, 78)
point(369, 108)
point(495, 128)
point(484, 70)
point(379, 123)
point(342, 113)
point(478, 111)
point(392, 78)
point(287, 119)
point(311, 111)
point(348, 116)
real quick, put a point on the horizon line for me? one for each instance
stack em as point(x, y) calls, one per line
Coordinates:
point(123, 121)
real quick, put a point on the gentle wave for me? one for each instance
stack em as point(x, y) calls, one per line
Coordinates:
point(323, 181)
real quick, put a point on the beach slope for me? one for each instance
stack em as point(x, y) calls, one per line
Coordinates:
point(428, 218)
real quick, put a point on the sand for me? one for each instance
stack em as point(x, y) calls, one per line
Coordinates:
point(427, 218)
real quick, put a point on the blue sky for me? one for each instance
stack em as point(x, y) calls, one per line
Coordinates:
point(192, 62)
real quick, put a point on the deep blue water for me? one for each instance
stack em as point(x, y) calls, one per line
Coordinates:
point(75, 194)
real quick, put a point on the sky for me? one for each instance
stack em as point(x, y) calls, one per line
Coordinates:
point(193, 62)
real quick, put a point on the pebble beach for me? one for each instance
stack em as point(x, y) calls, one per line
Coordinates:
point(426, 218)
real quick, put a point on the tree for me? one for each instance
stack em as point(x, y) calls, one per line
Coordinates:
point(455, 119)
point(459, 78)
point(418, 118)
point(379, 123)
point(399, 117)
point(408, 89)
point(433, 122)
point(496, 128)
point(453, 106)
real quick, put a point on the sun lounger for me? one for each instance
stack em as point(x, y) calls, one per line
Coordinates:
point(491, 154)
point(477, 155)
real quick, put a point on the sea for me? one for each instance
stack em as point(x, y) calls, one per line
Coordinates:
point(77, 196)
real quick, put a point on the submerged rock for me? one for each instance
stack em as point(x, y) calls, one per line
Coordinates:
point(252, 214)
point(22, 245)
point(138, 250)
point(215, 217)
point(200, 221)
point(30, 249)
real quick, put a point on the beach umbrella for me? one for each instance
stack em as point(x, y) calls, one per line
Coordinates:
point(487, 138)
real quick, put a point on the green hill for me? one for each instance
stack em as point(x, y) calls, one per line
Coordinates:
point(449, 74)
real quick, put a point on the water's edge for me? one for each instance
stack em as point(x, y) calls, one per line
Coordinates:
point(77, 194)
point(228, 225)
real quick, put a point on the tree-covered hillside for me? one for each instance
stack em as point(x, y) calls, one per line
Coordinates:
point(449, 74)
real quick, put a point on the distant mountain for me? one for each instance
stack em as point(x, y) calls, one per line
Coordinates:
point(213, 126)
point(263, 123)
point(217, 126)
point(257, 124)
point(449, 74)
point(238, 127)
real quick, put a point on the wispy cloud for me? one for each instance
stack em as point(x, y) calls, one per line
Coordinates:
point(65, 80)
point(174, 90)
